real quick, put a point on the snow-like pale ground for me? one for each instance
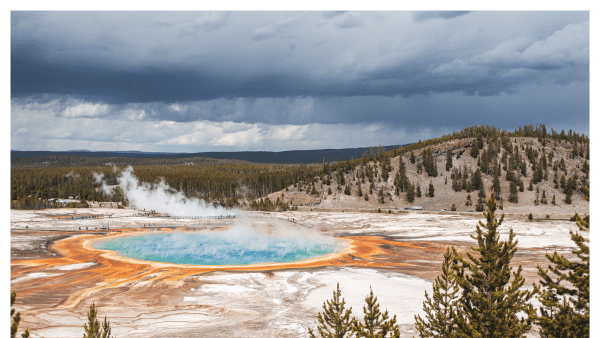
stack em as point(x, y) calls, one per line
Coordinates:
point(420, 226)
point(74, 266)
point(280, 303)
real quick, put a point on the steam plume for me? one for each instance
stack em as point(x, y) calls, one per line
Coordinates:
point(71, 174)
point(99, 178)
point(161, 198)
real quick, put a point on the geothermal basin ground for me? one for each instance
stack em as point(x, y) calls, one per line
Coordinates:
point(58, 271)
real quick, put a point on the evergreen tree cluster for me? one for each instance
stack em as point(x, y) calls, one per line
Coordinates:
point(429, 163)
point(565, 290)
point(448, 160)
point(410, 193)
point(381, 196)
point(481, 296)
point(265, 204)
point(32, 188)
point(211, 183)
point(480, 200)
point(462, 181)
point(335, 320)
point(401, 182)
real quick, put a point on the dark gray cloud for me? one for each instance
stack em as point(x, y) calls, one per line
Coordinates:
point(411, 69)
point(198, 66)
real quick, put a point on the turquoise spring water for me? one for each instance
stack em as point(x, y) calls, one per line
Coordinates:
point(237, 248)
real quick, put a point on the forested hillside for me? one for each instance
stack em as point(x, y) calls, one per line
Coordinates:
point(529, 169)
point(530, 166)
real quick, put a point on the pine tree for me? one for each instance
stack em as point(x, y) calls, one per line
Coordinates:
point(385, 171)
point(341, 178)
point(359, 193)
point(347, 190)
point(381, 196)
point(419, 190)
point(412, 157)
point(468, 202)
point(544, 198)
point(480, 200)
point(476, 181)
point(553, 199)
point(568, 194)
point(496, 185)
point(569, 316)
point(431, 192)
point(366, 197)
point(410, 193)
point(489, 303)
point(474, 151)
point(16, 319)
point(105, 332)
point(521, 185)
point(329, 191)
point(514, 195)
point(441, 310)
point(92, 328)
point(448, 160)
point(376, 324)
point(335, 321)
point(530, 188)
point(453, 208)
point(480, 141)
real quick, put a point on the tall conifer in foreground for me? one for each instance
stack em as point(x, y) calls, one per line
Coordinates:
point(105, 332)
point(16, 319)
point(376, 324)
point(565, 310)
point(442, 308)
point(491, 297)
point(93, 329)
point(335, 320)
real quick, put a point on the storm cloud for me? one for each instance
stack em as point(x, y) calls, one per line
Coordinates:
point(424, 70)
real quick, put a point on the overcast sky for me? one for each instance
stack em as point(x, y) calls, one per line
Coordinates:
point(227, 81)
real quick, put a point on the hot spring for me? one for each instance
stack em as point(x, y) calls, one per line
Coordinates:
point(234, 247)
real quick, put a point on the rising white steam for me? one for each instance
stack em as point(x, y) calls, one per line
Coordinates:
point(71, 174)
point(161, 198)
point(99, 178)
